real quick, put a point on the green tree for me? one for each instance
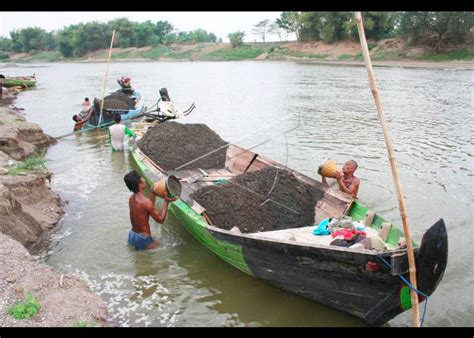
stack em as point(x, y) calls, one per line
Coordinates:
point(290, 22)
point(124, 32)
point(5, 44)
point(28, 39)
point(64, 41)
point(145, 34)
point(435, 28)
point(89, 37)
point(236, 39)
point(377, 25)
point(164, 30)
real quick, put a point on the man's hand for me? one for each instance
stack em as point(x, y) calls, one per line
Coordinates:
point(339, 175)
point(172, 199)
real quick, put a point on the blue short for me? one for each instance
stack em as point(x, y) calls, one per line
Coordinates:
point(139, 241)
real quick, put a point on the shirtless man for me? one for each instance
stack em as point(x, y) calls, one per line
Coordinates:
point(141, 208)
point(347, 181)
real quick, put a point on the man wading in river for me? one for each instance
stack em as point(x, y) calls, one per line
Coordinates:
point(346, 180)
point(141, 208)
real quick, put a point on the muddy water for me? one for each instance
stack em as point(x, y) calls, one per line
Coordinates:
point(430, 115)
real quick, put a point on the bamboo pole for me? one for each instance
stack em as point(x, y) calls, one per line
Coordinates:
point(105, 77)
point(393, 165)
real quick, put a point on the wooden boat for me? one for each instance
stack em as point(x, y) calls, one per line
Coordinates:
point(20, 81)
point(364, 283)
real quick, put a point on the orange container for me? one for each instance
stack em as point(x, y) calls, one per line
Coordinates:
point(168, 187)
point(328, 168)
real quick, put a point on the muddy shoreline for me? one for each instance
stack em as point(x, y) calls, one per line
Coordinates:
point(29, 213)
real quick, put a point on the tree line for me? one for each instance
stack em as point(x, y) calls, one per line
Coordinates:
point(434, 29)
point(429, 28)
point(79, 39)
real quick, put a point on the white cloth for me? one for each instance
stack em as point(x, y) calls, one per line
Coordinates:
point(117, 136)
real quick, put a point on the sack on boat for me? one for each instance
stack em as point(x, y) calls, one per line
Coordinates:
point(343, 223)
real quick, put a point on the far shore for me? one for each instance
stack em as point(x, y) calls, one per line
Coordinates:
point(385, 53)
point(396, 63)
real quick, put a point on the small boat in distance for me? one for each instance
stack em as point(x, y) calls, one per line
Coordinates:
point(20, 81)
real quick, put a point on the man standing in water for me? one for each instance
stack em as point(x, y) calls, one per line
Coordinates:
point(117, 133)
point(346, 180)
point(141, 208)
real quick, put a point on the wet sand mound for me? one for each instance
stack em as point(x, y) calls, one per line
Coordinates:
point(172, 144)
point(289, 205)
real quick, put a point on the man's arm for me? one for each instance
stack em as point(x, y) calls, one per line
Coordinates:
point(158, 216)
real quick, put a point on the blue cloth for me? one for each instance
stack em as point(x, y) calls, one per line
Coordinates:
point(139, 241)
point(322, 229)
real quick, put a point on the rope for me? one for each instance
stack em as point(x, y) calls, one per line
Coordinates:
point(411, 287)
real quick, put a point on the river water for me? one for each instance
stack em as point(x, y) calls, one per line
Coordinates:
point(305, 112)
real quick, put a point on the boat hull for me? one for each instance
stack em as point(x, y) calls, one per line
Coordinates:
point(9, 82)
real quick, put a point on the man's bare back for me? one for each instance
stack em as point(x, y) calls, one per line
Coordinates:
point(141, 208)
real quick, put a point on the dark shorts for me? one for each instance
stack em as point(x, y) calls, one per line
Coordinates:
point(139, 241)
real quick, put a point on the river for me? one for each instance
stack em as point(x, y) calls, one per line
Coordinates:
point(326, 111)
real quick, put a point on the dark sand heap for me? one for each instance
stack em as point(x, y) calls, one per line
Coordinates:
point(117, 101)
point(232, 204)
point(172, 144)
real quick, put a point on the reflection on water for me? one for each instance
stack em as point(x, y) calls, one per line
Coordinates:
point(181, 283)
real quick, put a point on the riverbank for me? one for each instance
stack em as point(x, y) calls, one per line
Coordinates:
point(29, 212)
point(388, 52)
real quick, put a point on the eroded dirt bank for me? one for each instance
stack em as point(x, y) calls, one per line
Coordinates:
point(29, 212)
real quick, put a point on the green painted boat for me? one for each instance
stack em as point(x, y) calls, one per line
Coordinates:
point(20, 81)
point(365, 283)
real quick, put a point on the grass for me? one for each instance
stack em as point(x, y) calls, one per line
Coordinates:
point(83, 323)
point(27, 309)
point(284, 52)
point(385, 56)
point(233, 54)
point(154, 53)
point(30, 164)
point(350, 57)
point(455, 55)
point(50, 56)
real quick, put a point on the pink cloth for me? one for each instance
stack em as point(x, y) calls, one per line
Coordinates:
point(347, 233)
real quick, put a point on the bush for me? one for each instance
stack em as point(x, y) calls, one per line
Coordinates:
point(236, 39)
point(4, 56)
point(30, 164)
point(26, 309)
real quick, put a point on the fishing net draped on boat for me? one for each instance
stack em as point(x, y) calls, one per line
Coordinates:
point(172, 144)
point(244, 202)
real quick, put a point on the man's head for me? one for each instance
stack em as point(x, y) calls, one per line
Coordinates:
point(76, 118)
point(134, 182)
point(349, 167)
point(86, 99)
point(117, 118)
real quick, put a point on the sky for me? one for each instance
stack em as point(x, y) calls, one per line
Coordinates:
point(219, 23)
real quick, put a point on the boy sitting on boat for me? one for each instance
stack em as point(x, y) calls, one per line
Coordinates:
point(346, 179)
point(141, 208)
